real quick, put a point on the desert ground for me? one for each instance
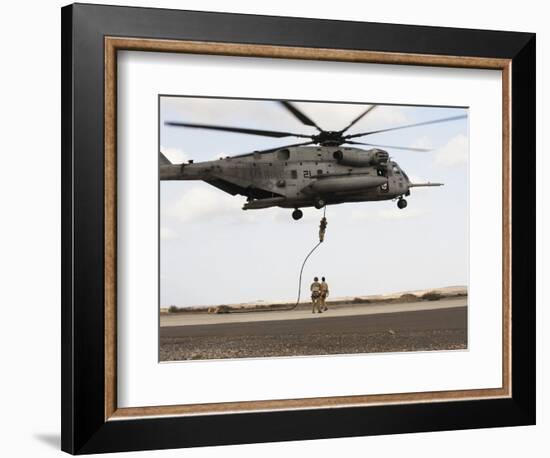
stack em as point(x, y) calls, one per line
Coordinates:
point(410, 321)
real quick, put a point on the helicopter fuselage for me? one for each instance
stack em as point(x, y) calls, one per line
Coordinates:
point(296, 177)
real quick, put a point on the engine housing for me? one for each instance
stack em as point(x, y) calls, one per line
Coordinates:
point(360, 158)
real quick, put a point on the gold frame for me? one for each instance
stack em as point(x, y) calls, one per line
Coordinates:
point(114, 44)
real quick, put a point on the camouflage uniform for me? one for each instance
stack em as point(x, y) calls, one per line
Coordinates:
point(324, 295)
point(315, 296)
point(322, 229)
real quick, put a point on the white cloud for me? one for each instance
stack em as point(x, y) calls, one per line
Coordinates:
point(424, 142)
point(455, 152)
point(387, 116)
point(174, 155)
point(387, 214)
point(203, 203)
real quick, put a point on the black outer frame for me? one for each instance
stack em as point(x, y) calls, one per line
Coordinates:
point(84, 429)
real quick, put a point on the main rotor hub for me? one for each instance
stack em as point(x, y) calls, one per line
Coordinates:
point(329, 138)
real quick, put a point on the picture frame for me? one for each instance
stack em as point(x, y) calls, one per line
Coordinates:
point(92, 35)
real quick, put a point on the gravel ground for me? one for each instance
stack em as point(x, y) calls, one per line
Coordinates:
point(323, 343)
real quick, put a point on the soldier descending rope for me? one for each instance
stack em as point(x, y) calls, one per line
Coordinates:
point(322, 229)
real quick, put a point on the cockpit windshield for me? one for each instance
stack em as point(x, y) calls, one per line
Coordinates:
point(398, 171)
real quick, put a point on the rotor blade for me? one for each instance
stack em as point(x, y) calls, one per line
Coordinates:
point(366, 112)
point(270, 150)
point(423, 150)
point(425, 123)
point(300, 115)
point(239, 130)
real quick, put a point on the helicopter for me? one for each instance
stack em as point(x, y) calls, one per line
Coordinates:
point(327, 169)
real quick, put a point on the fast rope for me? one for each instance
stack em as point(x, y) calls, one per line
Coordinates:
point(322, 230)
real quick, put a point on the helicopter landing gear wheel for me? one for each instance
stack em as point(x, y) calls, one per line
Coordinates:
point(401, 203)
point(319, 203)
point(297, 214)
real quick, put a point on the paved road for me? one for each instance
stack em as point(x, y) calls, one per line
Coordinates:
point(449, 318)
point(340, 310)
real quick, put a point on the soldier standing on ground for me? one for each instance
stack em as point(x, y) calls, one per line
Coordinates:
point(324, 295)
point(315, 295)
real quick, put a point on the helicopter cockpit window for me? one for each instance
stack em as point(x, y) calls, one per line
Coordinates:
point(396, 170)
point(293, 174)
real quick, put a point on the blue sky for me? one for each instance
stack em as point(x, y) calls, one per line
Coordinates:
point(212, 252)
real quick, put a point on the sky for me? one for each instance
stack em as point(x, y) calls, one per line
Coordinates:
point(212, 252)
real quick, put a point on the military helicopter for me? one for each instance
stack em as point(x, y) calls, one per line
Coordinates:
point(300, 175)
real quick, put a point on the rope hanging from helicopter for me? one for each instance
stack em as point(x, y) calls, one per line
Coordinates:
point(322, 230)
